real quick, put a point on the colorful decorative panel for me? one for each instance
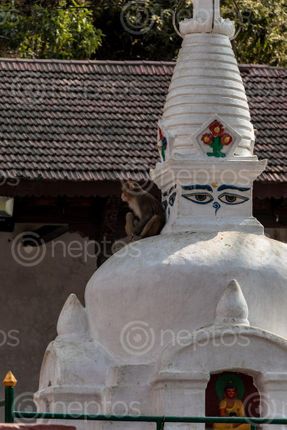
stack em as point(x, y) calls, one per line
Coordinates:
point(216, 139)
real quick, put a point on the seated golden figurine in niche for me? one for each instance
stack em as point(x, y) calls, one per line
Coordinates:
point(231, 406)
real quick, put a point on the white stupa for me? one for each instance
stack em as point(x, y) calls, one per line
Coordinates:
point(207, 295)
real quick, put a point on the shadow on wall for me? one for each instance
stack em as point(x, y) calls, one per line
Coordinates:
point(277, 234)
point(35, 284)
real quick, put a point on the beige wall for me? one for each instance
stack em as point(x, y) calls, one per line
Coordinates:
point(32, 298)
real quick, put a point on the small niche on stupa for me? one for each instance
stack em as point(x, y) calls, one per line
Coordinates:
point(231, 394)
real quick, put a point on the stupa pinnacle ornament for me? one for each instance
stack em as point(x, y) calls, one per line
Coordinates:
point(207, 19)
point(232, 308)
point(73, 318)
point(206, 137)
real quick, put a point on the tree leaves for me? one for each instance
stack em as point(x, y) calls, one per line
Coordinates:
point(87, 28)
point(63, 31)
point(263, 36)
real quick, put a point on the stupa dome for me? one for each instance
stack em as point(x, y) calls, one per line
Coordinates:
point(174, 282)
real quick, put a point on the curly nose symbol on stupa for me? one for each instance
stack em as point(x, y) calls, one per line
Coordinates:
point(206, 137)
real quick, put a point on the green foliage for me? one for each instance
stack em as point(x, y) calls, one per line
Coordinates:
point(64, 31)
point(263, 35)
point(134, 29)
point(144, 31)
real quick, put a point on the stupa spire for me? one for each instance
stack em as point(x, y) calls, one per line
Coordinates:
point(206, 138)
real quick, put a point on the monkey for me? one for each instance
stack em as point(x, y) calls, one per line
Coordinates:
point(146, 218)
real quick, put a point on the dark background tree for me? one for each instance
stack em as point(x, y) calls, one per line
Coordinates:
point(48, 29)
point(133, 29)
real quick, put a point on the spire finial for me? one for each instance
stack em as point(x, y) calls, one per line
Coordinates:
point(207, 19)
point(201, 7)
point(73, 318)
point(9, 380)
point(232, 308)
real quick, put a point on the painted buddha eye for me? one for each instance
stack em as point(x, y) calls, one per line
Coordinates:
point(232, 199)
point(200, 198)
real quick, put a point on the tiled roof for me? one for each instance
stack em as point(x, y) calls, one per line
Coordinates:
point(94, 121)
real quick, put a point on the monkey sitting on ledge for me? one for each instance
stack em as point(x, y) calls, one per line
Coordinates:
point(147, 217)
